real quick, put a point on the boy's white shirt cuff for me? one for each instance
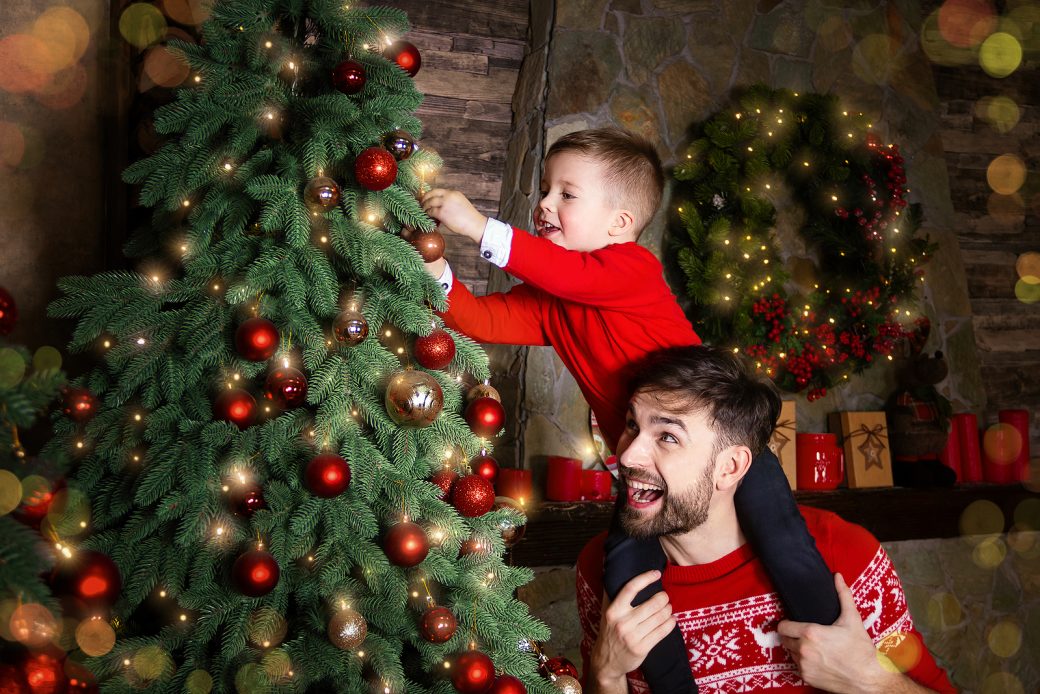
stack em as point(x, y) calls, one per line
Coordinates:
point(496, 242)
point(447, 279)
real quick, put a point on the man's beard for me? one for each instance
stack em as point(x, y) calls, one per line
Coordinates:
point(677, 515)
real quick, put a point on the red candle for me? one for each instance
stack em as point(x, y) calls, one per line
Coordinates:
point(950, 456)
point(595, 485)
point(564, 480)
point(516, 484)
point(967, 428)
point(1019, 420)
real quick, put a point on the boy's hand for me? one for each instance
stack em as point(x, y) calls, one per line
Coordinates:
point(436, 268)
point(454, 212)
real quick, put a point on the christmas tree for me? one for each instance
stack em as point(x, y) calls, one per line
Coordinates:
point(274, 441)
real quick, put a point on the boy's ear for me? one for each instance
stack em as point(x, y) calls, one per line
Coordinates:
point(624, 223)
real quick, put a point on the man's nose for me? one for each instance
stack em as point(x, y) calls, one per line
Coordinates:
point(634, 454)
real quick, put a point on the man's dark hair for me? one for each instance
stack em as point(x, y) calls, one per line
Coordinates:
point(741, 408)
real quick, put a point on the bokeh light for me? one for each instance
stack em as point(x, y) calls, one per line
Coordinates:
point(69, 513)
point(36, 491)
point(1028, 267)
point(834, 33)
point(1004, 638)
point(164, 67)
point(938, 49)
point(142, 24)
point(95, 636)
point(903, 650)
point(966, 23)
point(1024, 541)
point(875, 58)
point(251, 679)
point(12, 368)
point(151, 663)
point(12, 144)
point(277, 665)
point(1027, 292)
point(1000, 54)
point(33, 625)
point(266, 627)
point(990, 553)
point(199, 682)
point(944, 611)
point(46, 358)
point(1002, 683)
point(1002, 443)
point(10, 492)
point(1006, 174)
point(1001, 112)
point(189, 12)
point(24, 59)
point(1027, 514)
point(1009, 210)
point(982, 517)
point(65, 90)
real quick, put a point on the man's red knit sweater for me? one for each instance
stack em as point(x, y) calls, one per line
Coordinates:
point(602, 311)
point(728, 612)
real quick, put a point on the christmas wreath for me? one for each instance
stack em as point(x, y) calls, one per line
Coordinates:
point(807, 321)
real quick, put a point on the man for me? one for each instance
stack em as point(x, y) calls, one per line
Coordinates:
point(696, 420)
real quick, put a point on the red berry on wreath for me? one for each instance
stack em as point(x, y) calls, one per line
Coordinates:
point(255, 573)
point(436, 350)
point(405, 55)
point(78, 404)
point(349, 77)
point(473, 496)
point(405, 544)
point(327, 475)
point(257, 339)
point(473, 673)
point(235, 406)
point(438, 624)
point(375, 168)
point(287, 387)
point(485, 416)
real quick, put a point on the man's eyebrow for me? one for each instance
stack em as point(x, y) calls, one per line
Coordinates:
point(660, 419)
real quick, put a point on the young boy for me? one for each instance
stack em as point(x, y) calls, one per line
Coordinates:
point(601, 301)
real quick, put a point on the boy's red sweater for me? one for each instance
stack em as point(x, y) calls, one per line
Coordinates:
point(602, 311)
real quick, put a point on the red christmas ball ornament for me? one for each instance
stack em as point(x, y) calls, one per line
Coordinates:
point(89, 576)
point(257, 339)
point(430, 245)
point(8, 312)
point(405, 544)
point(349, 77)
point(37, 497)
point(438, 624)
point(558, 666)
point(473, 496)
point(248, 499)
point(287, 387)
point(485, 466)
point(78, 404)
point(436, 350)
point(473, 673)
point(474, 545)
point(405, 55)
point(42, 673)
point(485, 416)
point(255, 573)
point(235, 406)
point(375, 168)
point(445, 479)
point(327, 475)
point(507, 684)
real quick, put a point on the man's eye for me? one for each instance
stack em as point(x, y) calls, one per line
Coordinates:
point(668, 438)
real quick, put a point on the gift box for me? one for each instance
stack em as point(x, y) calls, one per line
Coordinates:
point(868, 457)
point(782, 442)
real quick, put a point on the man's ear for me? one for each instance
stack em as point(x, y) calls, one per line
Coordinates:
point(731, 466)
point(624, 223)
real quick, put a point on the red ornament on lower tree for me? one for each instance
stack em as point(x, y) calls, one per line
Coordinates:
point(257, 339)
point(287, 387)
point(445, 479)
point(327, 475)
point(375, 168)
point(406, 55)
point(473, 496)
point(349, 77)
point(485, 416)
point(247, 500)
point(507, 684)
point(235, 406)
point(90, 577)
point(438, 624)
point(255, 573)
point(485, 466)
point(405, 544)
point(472, 673)
point(43, 673)
point(436, 350)
point(78, 404)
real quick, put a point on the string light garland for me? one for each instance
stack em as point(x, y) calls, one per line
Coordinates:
point(807, 325)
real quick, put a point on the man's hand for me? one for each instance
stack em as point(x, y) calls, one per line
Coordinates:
point(626, 633)
point(840, 657)
point(454, 212)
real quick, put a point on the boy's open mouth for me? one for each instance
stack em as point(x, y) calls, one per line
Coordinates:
point(642, 494)
point(545, 229)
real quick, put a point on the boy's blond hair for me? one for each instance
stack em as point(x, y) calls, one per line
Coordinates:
point(633, 173)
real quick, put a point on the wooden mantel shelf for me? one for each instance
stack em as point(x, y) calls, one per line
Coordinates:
point(556, 531)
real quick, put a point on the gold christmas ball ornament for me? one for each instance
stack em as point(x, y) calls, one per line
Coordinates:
point(350, 327)
point(483, 390)
point(347, 629)
point(321, 194)
point(414, 398)
point(513, 525)
point(565, 684)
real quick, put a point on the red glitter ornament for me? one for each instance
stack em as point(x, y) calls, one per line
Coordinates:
point(472, 673)
point(558, 666)
point(406, 55)
point(473, 496)
point(436, 350)
point(375, 168)
point(485, 466)
point(327, 475)
point(349, 77)
point(485, 416)
point(257, 339)
point(507, 684)
point(235, 406)
point(438, 624)
point(78, 404)
point(405, 544)
point(445, 479)
point(8, 312)
point(287, 387)
point(255, 573)
point(90, 577)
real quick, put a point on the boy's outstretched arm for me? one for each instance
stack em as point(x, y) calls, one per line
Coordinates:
point(454, 212)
